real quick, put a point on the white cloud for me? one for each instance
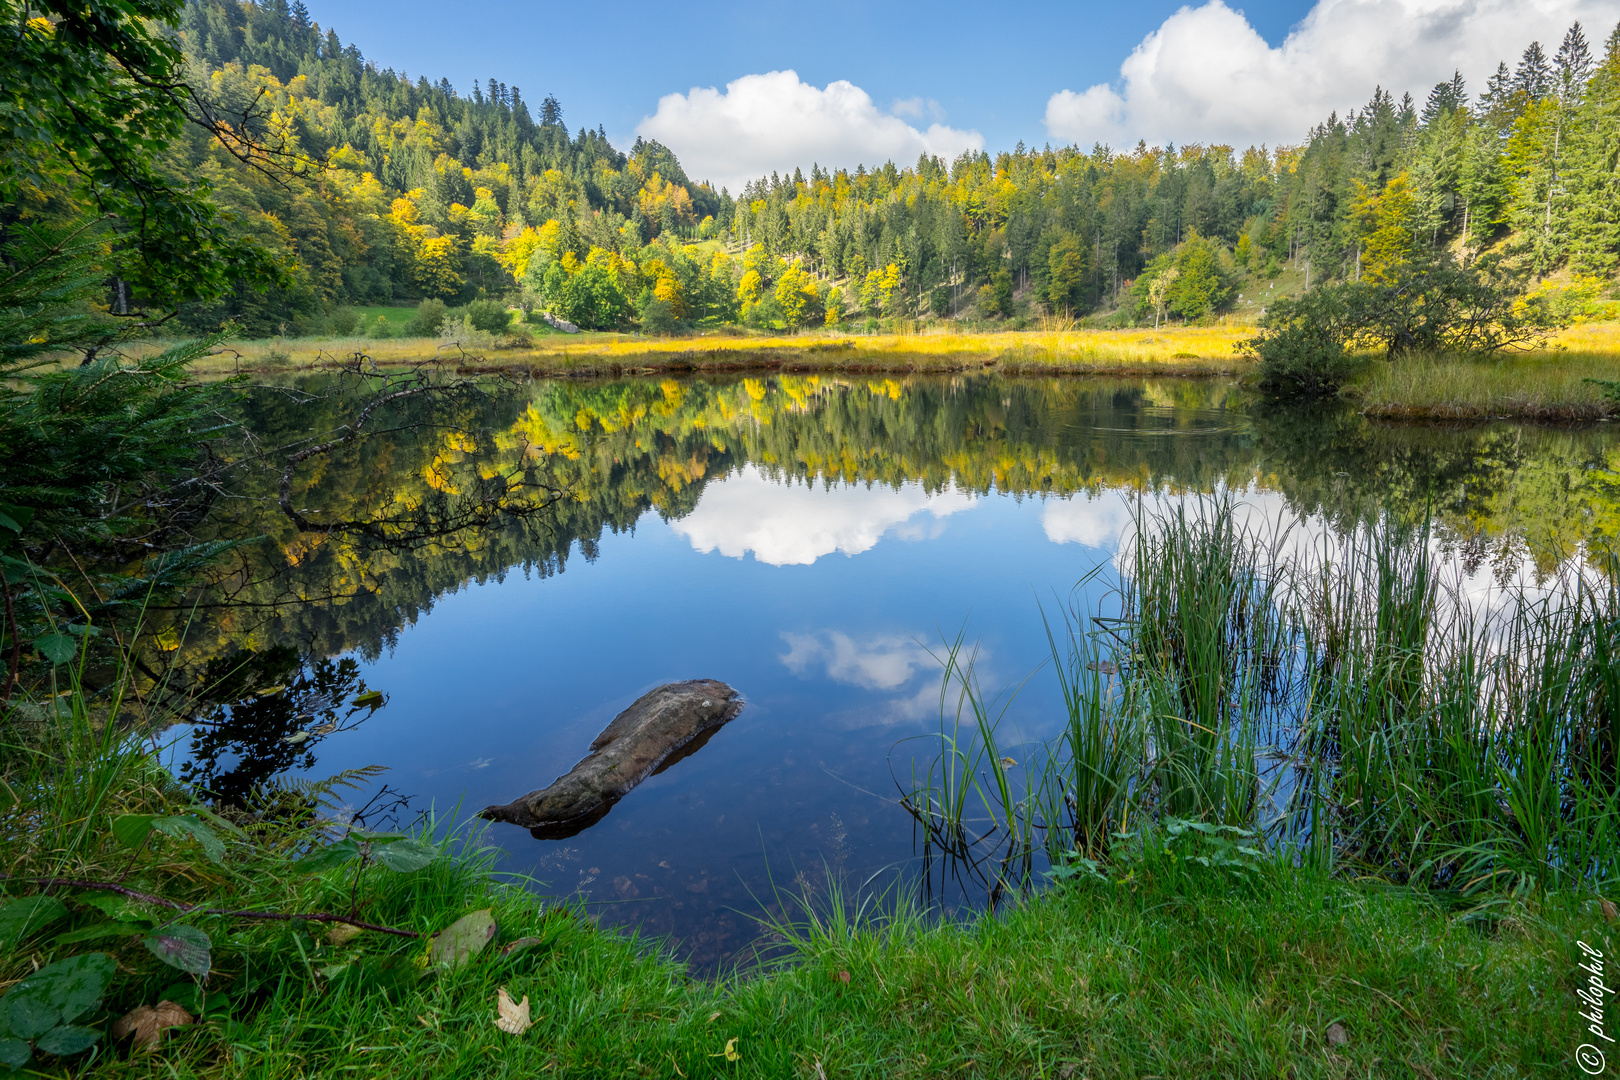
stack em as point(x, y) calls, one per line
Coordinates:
point(776, 122)
point(786, 523)
point(1206, 75)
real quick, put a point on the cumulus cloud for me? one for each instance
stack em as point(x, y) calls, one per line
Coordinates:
point(1206, 75)
point(775, 121)
point(795, 524)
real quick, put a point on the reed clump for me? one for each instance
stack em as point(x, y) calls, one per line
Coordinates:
point(1335, 703)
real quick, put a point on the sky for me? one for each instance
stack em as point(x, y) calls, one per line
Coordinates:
point(738, 90)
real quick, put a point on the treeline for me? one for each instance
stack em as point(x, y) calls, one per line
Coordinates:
point(423, 193)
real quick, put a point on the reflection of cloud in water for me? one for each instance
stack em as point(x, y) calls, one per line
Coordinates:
point(878, 663)
point(787, 523)
point(883, 663)
point(1098, 521)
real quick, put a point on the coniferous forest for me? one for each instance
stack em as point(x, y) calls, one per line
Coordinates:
point(409, 190)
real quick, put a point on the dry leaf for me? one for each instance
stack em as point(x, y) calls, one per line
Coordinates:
point(714, 1016)
point(148, 1023)
point(1337, 1035)
point(342, 934)
point(1609, 911)
point(511, 1018)
point(730, 1052)
point(1007, 762)
point(1105, 667)
point(843, 976)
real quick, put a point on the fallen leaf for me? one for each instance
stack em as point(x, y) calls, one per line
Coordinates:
point(324, 729)
point(296, 737)
point(714, 1016)
point(843, 976)
point(730, 1052)
point(1104, 667)
point(147, 1023)
point(1609, 911)
point(1007, 762)
point(463, 939)
point(511, 1018)
point(270, 691)
point(342, 934)
point(512, 948)
point(1337, 1035)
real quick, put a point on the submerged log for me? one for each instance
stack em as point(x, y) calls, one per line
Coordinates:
point(659, 728)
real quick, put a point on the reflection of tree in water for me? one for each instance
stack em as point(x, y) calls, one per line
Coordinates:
point(270, 710)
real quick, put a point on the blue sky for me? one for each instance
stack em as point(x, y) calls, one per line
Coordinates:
point(991, 66)
point(877, 80)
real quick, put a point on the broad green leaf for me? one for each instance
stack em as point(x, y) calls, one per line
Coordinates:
point(71, 987)
point(329, 856)
point(22, 917)
point(63, 1041)
point(30, 1017)
point(405, 856)
point(15, 518)
point(14, 1053)
point(130, 829)
point(372, 698)
point(184, 947)
point(57, 648)
point(191, 825)
point(111, 905)
point(463, 939)
point(102, 930)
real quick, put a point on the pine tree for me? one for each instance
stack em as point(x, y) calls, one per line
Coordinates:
point(551, 111)
point(1594, 170)
point(1574, 63)
point(1533, 76)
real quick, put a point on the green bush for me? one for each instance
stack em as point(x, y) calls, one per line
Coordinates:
point(344, 320)
point(381, 329)
point(657, 317)
point(428, 319)
point(489, 316)
point(1304, 345)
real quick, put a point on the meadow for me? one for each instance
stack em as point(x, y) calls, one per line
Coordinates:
point(1552, 383)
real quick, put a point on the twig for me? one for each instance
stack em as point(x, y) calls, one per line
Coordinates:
point(272, 916)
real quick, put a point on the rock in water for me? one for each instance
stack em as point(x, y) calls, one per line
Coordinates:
point(646, 738)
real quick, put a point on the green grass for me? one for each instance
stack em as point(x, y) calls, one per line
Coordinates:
point(396, 316)
point(1535, 386)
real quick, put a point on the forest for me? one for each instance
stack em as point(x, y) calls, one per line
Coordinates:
point(409, 191)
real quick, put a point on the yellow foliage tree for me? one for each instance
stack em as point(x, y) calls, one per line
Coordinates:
point(1388, 221)
point(797, 295)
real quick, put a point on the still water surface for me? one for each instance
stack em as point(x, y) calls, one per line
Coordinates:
point(813, 542)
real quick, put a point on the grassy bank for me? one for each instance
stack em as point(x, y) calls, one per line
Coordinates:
point(1552, 384)
point(1173, 969)
point(1180, 350)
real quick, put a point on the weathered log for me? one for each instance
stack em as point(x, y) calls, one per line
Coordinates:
point(645, 739)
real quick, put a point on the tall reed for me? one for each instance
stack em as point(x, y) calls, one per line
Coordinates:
point(1340, 700)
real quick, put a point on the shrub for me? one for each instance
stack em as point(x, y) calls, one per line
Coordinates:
point(428, 319)
point(381, 329)
point(489, 316)
point(1304, 345)
point(344, 320)
point(657, 317)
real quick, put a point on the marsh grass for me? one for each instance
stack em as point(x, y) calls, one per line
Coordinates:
point(1546, 385)
point(1336, 703)
point(1182, 350)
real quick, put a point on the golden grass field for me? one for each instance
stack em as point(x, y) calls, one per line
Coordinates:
point(1181, 350)
point(1546, 384)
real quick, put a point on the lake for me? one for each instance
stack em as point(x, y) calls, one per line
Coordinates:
point(816, 542)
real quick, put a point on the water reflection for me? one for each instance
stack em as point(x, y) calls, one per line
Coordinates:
point(956, 502)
